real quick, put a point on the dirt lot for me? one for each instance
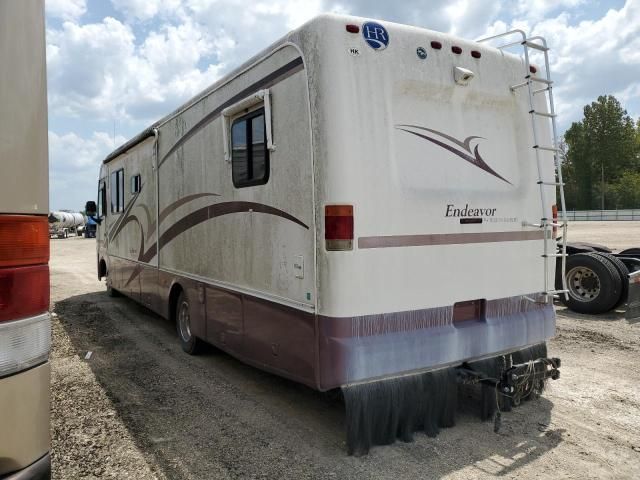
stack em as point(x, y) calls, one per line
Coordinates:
point(140, 408)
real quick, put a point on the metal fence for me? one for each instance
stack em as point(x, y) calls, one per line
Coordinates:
point(593, 215)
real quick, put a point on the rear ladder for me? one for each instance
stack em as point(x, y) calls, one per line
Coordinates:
point(543, 86)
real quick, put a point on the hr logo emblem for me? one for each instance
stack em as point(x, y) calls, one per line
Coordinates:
point(375, 35)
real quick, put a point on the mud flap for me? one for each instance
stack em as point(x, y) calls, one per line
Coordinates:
point(380, 412)
point(633, 300)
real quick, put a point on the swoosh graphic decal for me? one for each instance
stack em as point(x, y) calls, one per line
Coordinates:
point(171, 208)
point(202, 215)
point(475, 160)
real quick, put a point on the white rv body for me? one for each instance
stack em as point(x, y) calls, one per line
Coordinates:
point(441, 177)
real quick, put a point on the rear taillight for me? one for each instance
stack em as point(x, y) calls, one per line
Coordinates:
point(338, 227)
point(25, 327)
point(554, 214)
point(24, 240)
point(24, 292)
point(24, 344)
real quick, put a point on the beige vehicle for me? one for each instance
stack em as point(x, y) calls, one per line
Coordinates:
point(25, 329)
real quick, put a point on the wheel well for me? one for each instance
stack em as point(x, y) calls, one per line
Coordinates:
point(102, 269)
point(176, 290)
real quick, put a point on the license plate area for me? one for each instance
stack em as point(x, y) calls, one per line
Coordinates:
point(470, 310)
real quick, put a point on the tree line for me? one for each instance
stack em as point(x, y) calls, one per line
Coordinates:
point(601, 158)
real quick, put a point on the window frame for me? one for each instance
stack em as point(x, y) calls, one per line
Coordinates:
point(119, 198)
point(136, 183)
point(102, 198)
point(248, 117)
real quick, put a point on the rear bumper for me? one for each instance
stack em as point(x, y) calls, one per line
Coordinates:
point(376, 346)
point(24, 420)
point(39, 470)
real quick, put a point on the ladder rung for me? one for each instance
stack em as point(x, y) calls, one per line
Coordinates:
point(543, 114)
point(548, 149)
point(554, 255)
point(553, 293)
point(541, 80)
point(557, 184)
point(518, 85)
point(535, 46)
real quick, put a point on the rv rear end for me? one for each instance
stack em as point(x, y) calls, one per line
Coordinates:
point(427, 187)
point(24, 244)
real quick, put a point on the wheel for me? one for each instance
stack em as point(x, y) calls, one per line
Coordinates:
point(190, 343)
point(624, 272)
point(594, 283)
point(66, 234)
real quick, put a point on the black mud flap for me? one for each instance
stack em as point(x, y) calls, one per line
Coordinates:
point(633, 300)
point(381, 412)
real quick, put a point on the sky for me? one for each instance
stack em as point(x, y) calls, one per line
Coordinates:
point(116, 66)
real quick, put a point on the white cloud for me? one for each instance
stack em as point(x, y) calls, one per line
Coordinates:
point(147, 9)
point(74, 163)
point(66, 9)
point(103, 71)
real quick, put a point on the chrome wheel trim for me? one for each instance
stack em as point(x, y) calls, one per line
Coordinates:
point(184, 321)
point(583, 284)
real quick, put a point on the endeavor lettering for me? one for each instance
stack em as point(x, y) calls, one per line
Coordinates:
point(469, 212)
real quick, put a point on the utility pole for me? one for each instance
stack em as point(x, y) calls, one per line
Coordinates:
point(602, 183)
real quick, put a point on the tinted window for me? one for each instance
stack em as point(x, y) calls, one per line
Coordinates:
point(249, 156)
point(117, 191)
point(102, 199)
point(135, 184)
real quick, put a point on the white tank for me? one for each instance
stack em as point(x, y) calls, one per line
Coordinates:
point(66, 219)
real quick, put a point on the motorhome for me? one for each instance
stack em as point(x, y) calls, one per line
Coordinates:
point(360, 201)
point(25, 331)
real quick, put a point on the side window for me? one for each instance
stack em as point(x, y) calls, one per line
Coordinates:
point(102, 199)
point(117, 191)
point(135, 184)
point(249, 154)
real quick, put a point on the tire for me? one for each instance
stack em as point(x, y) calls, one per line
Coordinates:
point(624, 272)
point(594, 284)
point(189, 342)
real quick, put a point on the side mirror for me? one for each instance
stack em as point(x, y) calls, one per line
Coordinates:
point(91, 208)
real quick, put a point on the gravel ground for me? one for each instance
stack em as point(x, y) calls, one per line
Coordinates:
point(141, 408)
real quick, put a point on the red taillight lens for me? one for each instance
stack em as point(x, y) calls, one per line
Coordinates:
point(533, 69)
point(456, 50)
point(338, 227)
point(436, 45)
point(24, 292)
point(554, 213)
point(475, 54)
point(352, 28)
point(24, 240)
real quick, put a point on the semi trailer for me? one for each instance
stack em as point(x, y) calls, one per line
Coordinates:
point(65, 223)
point(364, 207)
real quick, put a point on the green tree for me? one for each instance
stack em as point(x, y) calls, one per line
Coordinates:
point(604, 144)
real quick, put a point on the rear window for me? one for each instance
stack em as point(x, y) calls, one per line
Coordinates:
point(249, 155)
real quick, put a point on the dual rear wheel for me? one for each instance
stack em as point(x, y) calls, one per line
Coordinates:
point(597, 282)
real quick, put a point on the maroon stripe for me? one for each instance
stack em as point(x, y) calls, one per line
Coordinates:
point(178, 203)
point(217, 210)
point(447, 239)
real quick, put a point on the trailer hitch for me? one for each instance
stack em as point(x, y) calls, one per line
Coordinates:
point(515, 383)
